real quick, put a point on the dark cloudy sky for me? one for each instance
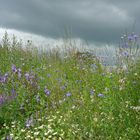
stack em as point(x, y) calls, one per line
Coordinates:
point(91, 20)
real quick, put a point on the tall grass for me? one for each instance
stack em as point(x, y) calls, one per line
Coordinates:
point(46, 95)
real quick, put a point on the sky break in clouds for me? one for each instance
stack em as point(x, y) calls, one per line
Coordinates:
point(95, 21)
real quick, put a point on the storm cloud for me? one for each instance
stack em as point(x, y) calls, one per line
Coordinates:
point(98, 21)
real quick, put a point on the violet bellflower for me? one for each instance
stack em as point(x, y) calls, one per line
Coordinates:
point(4, 78)
point(27, 76)
point(133, 37)
point(14, 69)
point(100, 95)
point(68, 94)
point(47, 92)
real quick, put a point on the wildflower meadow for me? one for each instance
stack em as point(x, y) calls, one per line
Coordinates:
point(69, 95)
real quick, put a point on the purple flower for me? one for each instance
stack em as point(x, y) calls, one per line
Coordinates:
point(27, 76)
point(125, 45)
point(47, 92)
point(135, 37)
point(63, 87)
point(48, 75)
point(9, 138)
point(13, 92)
point(2, 99)
point(68, 94)
point(130, 37)
point(4, 78)
point(14, 69)
point(100, 95)
point(29, 123)
point(125, 53)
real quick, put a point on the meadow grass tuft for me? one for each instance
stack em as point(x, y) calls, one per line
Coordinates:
point(69, 96)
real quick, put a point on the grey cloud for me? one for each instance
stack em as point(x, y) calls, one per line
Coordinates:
point(91, 20)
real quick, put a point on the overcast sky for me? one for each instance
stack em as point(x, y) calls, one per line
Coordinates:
point(100, 21)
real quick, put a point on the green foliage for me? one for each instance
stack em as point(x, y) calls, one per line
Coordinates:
point(45, 96)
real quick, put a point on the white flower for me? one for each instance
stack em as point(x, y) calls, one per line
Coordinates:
point(22, 130)
point(36, 133)
point(41, 127)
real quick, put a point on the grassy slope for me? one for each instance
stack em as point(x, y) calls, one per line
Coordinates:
point(84, 114)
